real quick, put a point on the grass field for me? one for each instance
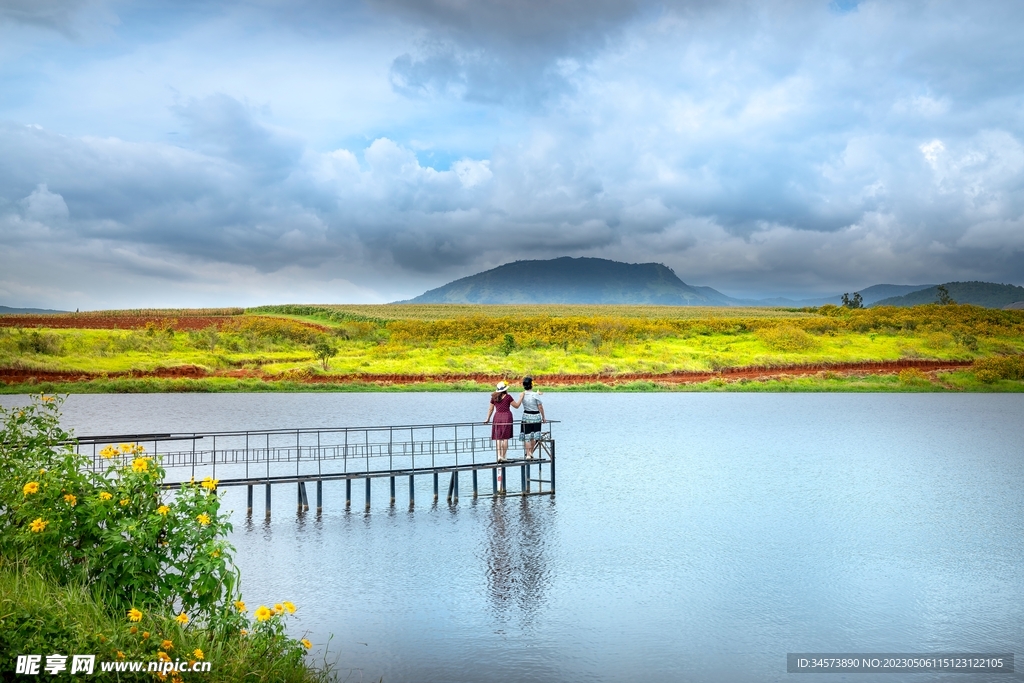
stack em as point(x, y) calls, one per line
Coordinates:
point(455, 346)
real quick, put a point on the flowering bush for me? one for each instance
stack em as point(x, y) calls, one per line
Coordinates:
point(118, 530)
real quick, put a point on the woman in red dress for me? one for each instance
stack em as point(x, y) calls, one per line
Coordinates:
point(501, 428)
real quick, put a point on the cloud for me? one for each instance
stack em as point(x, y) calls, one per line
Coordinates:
point(789, 147)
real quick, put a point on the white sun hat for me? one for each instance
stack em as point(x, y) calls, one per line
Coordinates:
point(501, 387)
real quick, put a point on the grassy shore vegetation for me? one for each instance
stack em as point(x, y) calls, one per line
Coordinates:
point(357, 345)
point(108, 563)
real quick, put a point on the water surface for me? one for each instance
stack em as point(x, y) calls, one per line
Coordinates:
point(693, 537)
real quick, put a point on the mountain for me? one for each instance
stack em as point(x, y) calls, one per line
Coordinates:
point(7, 310)
point(987, 294)
point(569, 280)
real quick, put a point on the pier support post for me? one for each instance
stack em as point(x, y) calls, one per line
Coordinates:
point(455, 476)
point(476, 491)
point(348, 494)
point(451, 487)
point(527, 477)
point(319, 496)
point(435, 487)
point(552, 468)
point(249, 500)
point(522, 478)
point(412, 491)
point(392, 491)
point(268, 499)
point(367, 494)
point(502, 478)
point(494, 480)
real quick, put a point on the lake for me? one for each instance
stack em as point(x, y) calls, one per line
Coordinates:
point(694, 537)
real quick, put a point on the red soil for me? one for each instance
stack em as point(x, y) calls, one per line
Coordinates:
point(21, 375)
point(182, 323)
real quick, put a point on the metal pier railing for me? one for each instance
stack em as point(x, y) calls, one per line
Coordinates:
point(281, 456)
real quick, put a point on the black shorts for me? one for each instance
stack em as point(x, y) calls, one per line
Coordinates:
point(530, 427)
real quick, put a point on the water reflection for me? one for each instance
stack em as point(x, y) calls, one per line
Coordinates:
point(518, 574)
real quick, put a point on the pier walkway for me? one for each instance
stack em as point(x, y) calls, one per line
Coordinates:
point(301, 456)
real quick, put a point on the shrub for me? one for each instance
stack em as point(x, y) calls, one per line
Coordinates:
point(912, 376)
point(989, 370)
point(117, 530)
point(786, 338)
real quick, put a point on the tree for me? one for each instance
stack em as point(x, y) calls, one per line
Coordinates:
point(324, 352)
point(856, 302)
point(944, 298)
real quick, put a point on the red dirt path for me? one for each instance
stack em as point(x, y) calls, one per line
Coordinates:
point(21, 375)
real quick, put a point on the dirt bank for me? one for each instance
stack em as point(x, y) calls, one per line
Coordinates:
point(23, 375)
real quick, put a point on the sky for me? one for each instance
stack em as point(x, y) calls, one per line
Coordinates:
point(191, 153)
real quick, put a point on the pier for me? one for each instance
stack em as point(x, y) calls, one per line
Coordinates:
point(350, 454)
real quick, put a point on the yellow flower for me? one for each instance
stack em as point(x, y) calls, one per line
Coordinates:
point(290, 606)
point(215, 553)
point(47, 399)
point(197, 653)
point(127, 448)
point(105, 496)
point(263, 613)
point(209, 484)
point(124, 501)
point(120, 655)
point(145, 635)
point(239, 605)
point(70, 499)
point(162, 656)
point(134, 615)
point(181, 618)
point(243, 632)
point(203, 518)
point(163, 510)
point(140, 465)
point(38, 524)
point(110, 452)
point(306, 644)
point(167, 645)
point(279, 608)
point(133, 630)
point(42, 470)
point(30, 488)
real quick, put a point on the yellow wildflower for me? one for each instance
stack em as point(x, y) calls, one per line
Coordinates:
point(162, 656)
point(306, 644)
point(145, 635)
point(181, 618)
point(30, 488)
point(290, 606)
point(42, 470)
point(133, 630)
point(70, 499)
point(127, 448)
point(140, 465)
point(243, 632)
point(134, 615)
point(163, 510)
point(279, 608)
point(105, 496)
point(239, 605)
point(120, 655)
point(197, 653)
point(203, 518)
point(167, 645)
point(263, 613)
point(46, 399)
point(209, 483)
point(215, 553)
point(110, 452)
point(38, 524)
point(124, 501)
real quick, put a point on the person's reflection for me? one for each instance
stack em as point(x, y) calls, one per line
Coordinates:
point(517, 574)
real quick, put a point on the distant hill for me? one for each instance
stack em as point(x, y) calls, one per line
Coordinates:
point(7, 310)
point(987, 294)
point(568, 280)
point(869, 295)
